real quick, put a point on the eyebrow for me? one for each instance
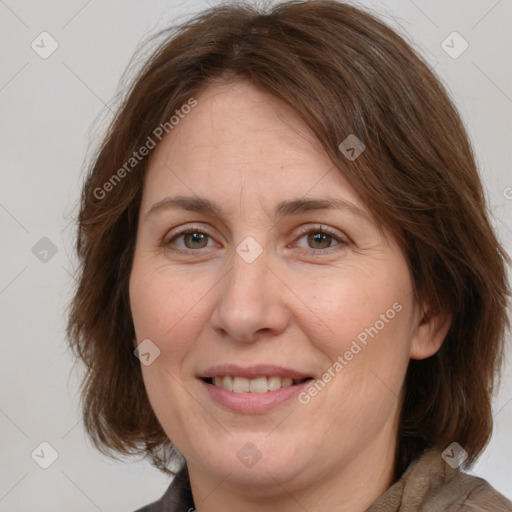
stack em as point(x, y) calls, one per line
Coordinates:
point(283, 209)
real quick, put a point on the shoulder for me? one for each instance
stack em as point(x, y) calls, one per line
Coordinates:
point(480, 496)
point(177, 497)
point(463, 492)
point(430, 484)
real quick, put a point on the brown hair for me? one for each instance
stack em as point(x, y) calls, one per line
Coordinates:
point(345, 72)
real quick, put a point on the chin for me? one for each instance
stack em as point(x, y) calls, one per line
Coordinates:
point(258, 463)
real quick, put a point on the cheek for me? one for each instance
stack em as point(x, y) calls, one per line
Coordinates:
point(148, 304)
point(163, 311)
point(358, 307)
point(363, 325)
point(167, 308)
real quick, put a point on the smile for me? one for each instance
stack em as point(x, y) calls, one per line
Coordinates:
point(257, 385)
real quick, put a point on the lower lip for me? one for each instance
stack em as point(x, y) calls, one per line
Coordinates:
point(253, 403)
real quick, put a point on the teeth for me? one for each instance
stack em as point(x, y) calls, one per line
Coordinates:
point(273, 383)
point(240, 385)
point(258, 385)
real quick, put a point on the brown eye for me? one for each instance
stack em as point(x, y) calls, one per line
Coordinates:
point(193, 239)
point(319, 240)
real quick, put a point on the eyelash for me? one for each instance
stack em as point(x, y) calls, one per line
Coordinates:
point(302, 232)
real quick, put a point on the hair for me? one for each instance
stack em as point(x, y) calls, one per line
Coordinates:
point(344, 72)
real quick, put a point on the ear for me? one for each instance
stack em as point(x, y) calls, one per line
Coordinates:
point(429, 333)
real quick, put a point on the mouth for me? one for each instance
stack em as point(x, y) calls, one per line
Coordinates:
point(261, 384)
point(254, 389)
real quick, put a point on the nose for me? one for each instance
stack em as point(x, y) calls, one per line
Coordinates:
point(250, 302)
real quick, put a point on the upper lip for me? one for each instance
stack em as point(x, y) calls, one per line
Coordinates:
point(252, 372)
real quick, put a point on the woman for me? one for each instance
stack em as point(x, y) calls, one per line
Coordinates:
point(290, 288)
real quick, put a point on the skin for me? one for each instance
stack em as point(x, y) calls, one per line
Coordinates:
point(300, 304)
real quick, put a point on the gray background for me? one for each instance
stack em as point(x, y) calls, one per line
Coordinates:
point(53, 109)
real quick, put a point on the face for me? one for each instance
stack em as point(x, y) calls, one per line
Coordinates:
point(259, 286)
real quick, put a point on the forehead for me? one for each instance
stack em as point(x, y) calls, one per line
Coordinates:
point(239, 137)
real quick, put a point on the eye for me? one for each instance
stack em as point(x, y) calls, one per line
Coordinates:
point(193, 238)
point(320, 238)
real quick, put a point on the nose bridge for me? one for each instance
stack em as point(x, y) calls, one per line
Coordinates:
point(247, 281)
point(248, 302)
point(248, 276)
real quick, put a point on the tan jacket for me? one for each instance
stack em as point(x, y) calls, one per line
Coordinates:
point(431, 485)
point(428, 485)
